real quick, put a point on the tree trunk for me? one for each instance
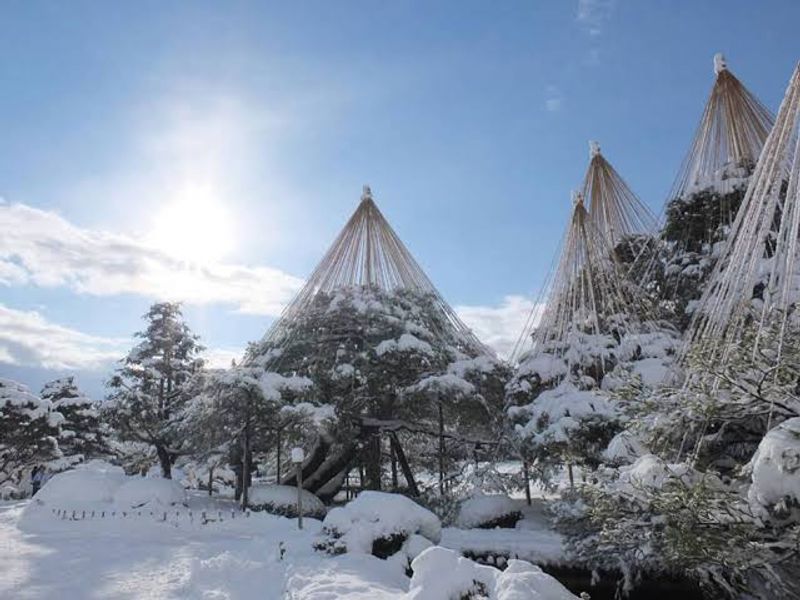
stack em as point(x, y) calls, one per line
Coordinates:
point(373, 461)
point(527, 477)
point(441, 448)
point(571, 476)
point(210, 480)
point(165, 460)
point(278, 475)
point(246, 464)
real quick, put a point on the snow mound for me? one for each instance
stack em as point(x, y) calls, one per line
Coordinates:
point(441, 574)
point(282, 500)
point(775, 490)
point(377, 523)
point(488, 511)
point(140, 492)
point(92, 483)
point(523, 581)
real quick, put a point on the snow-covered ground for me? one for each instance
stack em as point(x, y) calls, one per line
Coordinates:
point(262, 556)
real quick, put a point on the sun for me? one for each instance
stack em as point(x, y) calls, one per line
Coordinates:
point(194, 226)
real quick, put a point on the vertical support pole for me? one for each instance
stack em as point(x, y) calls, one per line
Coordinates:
point(299, 495)
point(441, 446)
point(394, 467)
point(571, 476)
point(278, 469)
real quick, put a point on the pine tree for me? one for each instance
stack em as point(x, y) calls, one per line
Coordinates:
point(147, 390)
point(82, 433)
point(364, 349)
point(28, 431)
point(240, 411)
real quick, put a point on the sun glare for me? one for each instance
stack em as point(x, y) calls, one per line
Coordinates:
point(193, 226)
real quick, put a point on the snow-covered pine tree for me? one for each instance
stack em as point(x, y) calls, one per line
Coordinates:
point(239, 411)
point(706, 196)
point(82, 434)
point(146, 391)
point(594, 334)
point(28, 432)
point(718, 500)
point(367, 326)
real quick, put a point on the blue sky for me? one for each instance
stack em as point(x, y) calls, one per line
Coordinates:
point(470, 121)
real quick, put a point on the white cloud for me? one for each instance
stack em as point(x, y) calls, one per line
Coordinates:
point(41, 248)
point(220, 358)
point(592, 15)
point(499, 326)
point(553, 99)
point(28, 339)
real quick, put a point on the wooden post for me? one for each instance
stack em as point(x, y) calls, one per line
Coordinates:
point(394, 466)
point(401, 458)
point(210, 480)
point(299, 495)
point(527, 477)
point(571, 476)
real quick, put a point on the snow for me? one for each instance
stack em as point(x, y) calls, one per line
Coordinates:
point(282, 499)
point(556, 413)
point(775, 487)
point(539, 545)
point(18, 395)
point(273, 384)
point(483, 508)
point(91, 484)
point(447, 383)
point(624, 448)
point(407, 342)
point(480, 364)
point(146, 492)
point(441, 574)
point(373, 515)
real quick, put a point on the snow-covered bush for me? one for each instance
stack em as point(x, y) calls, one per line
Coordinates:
point(487, 511)
point(775, 490)
point(442, 574)
point(282, 500)
point(376, 523)
point(151, 493)
point(566, 425)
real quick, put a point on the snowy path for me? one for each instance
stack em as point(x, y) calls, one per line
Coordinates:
point(44, 558)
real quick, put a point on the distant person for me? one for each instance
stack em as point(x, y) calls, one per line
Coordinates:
point(37, 478)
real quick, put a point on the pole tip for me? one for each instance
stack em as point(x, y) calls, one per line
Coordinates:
point(720, 64)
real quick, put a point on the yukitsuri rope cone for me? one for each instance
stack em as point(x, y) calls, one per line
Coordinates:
point(756, 278)
point(705, 197)
point(587, 294)
point(746, 321)
point(368, 254)
point(614, 209)
point(728, 139)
